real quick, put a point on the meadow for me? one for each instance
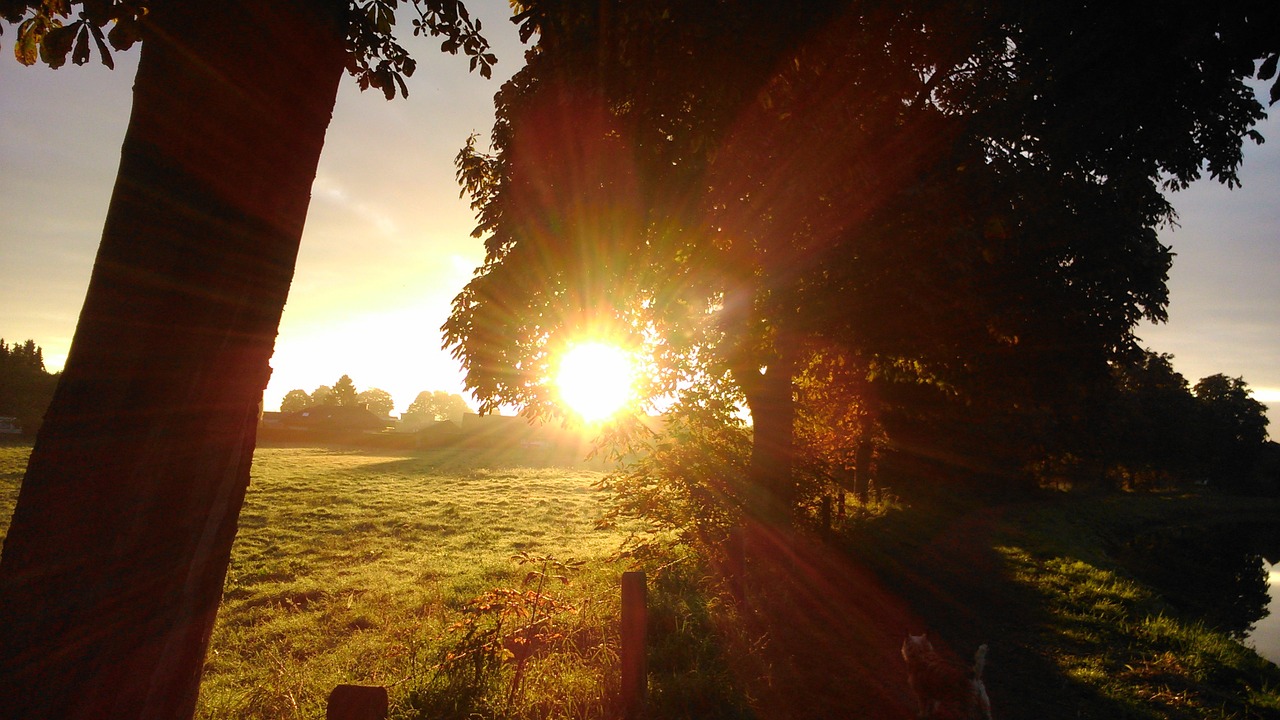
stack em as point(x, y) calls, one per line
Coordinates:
point(477, 584)
point(362, 567)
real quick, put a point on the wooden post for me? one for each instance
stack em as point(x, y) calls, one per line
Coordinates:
point(357, 702)
point(635, 621)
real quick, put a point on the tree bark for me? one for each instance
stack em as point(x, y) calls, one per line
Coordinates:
point(113, 566)
point(770, 483)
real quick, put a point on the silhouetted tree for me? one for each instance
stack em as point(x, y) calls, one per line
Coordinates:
point(323, 395)
point(439, 405)
point(1154, 434)
point(958, 195)
point(344, 393)
point(1232, 429)
point(378, 401)
point(25, 386)
point(294, 400)
point(114, 562)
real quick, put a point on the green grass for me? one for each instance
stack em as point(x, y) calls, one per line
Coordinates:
point(13, 463)
point(353, 566)
point(361, 567)
point(1115, 639)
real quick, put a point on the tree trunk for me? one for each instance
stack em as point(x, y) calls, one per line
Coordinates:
point(862, 469)
point(771, 485)
point(114, 563)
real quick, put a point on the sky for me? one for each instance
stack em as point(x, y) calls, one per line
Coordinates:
point(387, 243)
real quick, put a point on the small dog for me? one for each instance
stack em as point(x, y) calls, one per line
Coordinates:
point(938, 683)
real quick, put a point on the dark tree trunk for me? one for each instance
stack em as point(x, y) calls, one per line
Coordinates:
point(862, 469)
point(114, 563)
point(771, 485)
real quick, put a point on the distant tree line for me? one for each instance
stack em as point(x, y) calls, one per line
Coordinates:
point(429, 404)
point(25, 386)
point(1165, 431)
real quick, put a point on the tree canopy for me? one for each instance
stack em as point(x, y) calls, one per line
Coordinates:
point(49, 31)
point(439, 405)
point(295, 400)
point(377, 400)
point(25, 385)
point(344, 392)
point(960, 200)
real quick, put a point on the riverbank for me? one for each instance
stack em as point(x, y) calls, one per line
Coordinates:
point(1074, 629)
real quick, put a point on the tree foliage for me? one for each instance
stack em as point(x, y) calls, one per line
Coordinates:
point(439, 405)
point(344, 393)
point(50, 31)
point(1163, 432)
point(378, 401)
point(294, 401)
point(961, 199)
point(1233, 430)
point(25, 386)
point(323, 395)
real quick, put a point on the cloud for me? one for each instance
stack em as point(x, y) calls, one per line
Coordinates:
point(329, 190)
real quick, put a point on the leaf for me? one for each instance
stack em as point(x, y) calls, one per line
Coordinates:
point(102, 47)
point(1268, 69)
point(81, 54)
point(124, 34)
point(1275, 93)
point(27, 49)
point(57, 43)
point(97, 12)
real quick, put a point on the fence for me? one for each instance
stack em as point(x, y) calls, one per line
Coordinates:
point(360, 702)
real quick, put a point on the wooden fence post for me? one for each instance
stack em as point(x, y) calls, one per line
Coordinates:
point(635, 669)
point(357, 702)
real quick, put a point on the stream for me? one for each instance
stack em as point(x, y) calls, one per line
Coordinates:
point(1226, 575)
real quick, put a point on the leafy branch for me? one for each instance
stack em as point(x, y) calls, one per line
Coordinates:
point(51, 30)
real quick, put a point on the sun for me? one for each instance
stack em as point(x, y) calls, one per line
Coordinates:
point(595, 380)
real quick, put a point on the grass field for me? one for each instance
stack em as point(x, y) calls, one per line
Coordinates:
point(396, 570)
point(351, 567)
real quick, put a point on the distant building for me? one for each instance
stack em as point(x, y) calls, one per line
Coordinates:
point(332, 419)
point(10, 426)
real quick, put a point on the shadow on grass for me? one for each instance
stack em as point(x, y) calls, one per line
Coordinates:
point(1071, 634)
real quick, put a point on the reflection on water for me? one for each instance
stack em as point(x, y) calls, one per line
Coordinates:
point(1221, 575)
point(1265, 637)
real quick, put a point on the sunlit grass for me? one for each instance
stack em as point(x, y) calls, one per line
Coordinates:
point(351, 566)
point(13, 463)
point(1114, 636)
